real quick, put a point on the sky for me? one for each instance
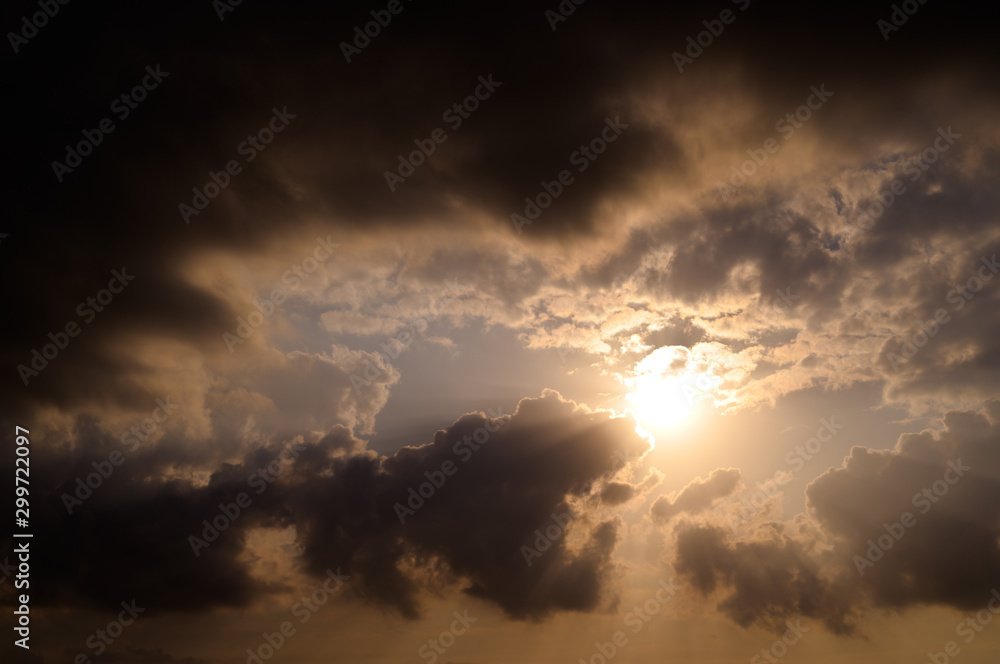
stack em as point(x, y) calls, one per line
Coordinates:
point(477, 333)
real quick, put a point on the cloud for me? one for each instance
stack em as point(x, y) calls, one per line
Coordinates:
point(949, 481)
point(639, 246)
point(616, 493)
point(697, 496)
point(918, 525)
point(762, 582)
point(512, 477)
point(540, 462)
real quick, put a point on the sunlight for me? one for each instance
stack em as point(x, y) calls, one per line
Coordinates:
point(666, 387)
point(660, 401)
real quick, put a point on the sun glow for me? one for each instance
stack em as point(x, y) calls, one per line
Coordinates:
point(660, 402)
point(667, 385)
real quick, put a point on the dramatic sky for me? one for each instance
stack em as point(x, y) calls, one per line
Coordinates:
point(505, 332)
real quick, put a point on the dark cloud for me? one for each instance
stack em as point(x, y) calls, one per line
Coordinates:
point(516, 481)
point(521, 482)
point(763, 582)
point(676, 333)
point(890, 529)
point(616, 493)
point(225, 77)
point(950, 482)
point(697, 496)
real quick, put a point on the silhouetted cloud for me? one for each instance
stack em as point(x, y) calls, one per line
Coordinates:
point(697, 496)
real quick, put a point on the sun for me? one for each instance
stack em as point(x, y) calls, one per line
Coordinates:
point(660, 401)
point(665, 387)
